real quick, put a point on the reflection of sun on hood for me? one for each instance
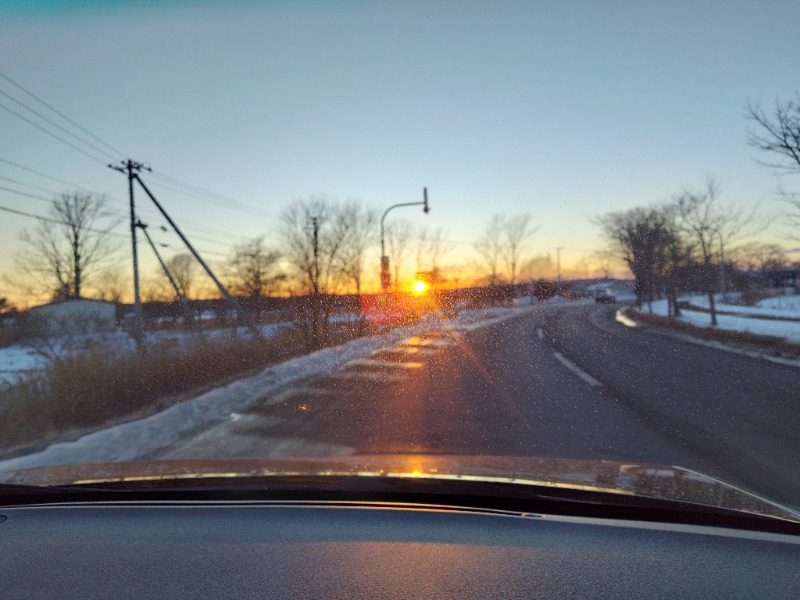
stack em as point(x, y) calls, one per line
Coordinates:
point(652, 481)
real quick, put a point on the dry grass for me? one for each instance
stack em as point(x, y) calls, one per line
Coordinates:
point(99, 387)
point(763, 343)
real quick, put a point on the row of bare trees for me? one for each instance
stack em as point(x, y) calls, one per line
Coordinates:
point(503, 242)
point(680, 244)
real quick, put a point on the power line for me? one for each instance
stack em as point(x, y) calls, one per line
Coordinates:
point(22, 213)
point(56, 125)
point(53, 135)
point(62, 115)
point(57, 221)
point(33, 187)
point(39, 173)
point(179, 187)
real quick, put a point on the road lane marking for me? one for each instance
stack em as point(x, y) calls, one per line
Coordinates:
point(540, 333)
point(577, 370)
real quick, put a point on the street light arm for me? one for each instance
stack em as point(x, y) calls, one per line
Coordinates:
point(386, 212)
point(393, 206)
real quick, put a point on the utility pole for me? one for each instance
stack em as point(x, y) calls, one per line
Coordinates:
point(130, 168)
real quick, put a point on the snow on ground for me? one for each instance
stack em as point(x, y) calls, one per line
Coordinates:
point(788, 304)
point(789, 330)
point(779, 307)
point(18, 361)
point(138, 439)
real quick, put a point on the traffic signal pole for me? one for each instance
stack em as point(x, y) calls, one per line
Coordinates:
point(386, 276)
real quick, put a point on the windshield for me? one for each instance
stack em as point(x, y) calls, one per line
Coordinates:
point(511, 241)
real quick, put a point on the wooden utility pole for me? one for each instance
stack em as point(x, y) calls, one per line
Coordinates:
point(130, 168)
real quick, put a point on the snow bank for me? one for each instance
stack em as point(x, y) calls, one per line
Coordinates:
point(789, 330)
point(780, 307)
point(787, 304)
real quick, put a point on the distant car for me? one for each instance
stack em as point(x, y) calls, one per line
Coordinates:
point(605, 297)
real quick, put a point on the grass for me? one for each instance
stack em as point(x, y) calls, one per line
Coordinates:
point(99, 387)
point(764, 343)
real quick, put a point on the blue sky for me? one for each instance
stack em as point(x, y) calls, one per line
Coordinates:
point(563, 110)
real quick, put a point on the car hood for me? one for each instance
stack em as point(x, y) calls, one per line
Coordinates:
point(661, 482)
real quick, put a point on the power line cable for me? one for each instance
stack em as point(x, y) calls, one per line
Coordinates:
point(62, 115)
point(105, 213)
point(177, 186)
point(57, 221)
point(56, 125)
point(33, 187)
point(53, 135)
point(126, 236)
point(39, 173)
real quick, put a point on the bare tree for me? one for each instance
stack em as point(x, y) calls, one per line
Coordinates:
point(254, 269)
point(398, 236)
point(313, 233)
point(111, 285)
point(516, 233)
point(645, 239)
point(778, 133)
point(183, 267)
point(423, 233)
point(360, 235)
point(758, 256)
point(61, 254)
point(713, 227)
point(490, 246)
point(539, 267)
point(604, 259)
point(437, 247)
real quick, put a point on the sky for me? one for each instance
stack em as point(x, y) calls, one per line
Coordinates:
point(564, 110)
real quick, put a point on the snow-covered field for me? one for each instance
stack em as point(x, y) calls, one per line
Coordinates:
point(135, 439)
point(18, 361)
point(789, 330)
point(779, 307)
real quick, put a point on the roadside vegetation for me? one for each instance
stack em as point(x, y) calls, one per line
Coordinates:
point(100, 386)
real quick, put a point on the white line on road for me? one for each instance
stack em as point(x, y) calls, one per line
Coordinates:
point(577, 370)
point(540, 333)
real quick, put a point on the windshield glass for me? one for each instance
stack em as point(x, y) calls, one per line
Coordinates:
point(510, 241)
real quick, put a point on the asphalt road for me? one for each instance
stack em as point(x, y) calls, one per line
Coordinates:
point(567, 381)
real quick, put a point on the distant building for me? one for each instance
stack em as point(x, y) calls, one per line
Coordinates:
point(74, 317)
